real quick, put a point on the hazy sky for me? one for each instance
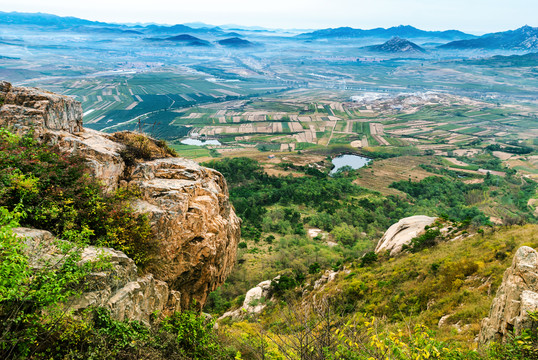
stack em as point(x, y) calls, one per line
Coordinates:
point(476, 16)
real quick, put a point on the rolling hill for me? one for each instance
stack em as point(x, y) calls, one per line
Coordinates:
point(236, 42)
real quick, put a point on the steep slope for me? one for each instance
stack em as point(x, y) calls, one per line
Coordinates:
point(524, 38)
point(192, 220)
point(397, 45)
point(449, 286)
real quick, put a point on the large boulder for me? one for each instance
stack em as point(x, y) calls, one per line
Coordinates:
point(516, 297)
point(193, 223)
point(402, 233)
point(117, 287)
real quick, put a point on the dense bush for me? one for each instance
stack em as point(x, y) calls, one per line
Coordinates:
point(32, 298)
point(54, 192)
point(444, 195)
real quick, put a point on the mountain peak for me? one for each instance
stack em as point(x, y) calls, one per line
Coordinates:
point(397, 45)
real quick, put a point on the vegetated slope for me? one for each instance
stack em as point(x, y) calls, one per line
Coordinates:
point(397, 45)
point(524, 38)
point(405, 31)
point(448, 287)
point(277, 213)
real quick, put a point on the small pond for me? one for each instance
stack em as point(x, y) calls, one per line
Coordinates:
point(355, 161)
point(197, 142)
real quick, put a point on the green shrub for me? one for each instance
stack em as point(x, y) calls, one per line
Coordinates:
point(368, 258)
point(32, 298)
point(194, 334)
point(55, 192)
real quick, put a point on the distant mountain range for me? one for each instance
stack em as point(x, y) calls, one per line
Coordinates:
point(403, 31)
point(48, 20)
point(397, 45)
point(524, 38)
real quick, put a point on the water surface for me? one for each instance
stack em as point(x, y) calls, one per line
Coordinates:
point(197, 142)
point(355, 161)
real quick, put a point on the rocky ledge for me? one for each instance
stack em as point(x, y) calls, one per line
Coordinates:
point(192, 219)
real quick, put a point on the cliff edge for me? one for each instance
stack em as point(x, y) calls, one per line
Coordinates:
point(192, 220)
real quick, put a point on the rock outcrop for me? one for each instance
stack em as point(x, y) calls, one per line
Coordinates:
point(41, 110)
point(254, 303)
point(516, 297)
point(402, 233)
point(198, 231)
point(117, 287)
point(328, 276)
point(193, 222)
point(102, 155)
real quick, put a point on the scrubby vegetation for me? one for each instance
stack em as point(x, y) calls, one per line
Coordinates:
point(390, 307)
point(407, 295)
point(278, 211)
point(378, 307)
point(54, 192)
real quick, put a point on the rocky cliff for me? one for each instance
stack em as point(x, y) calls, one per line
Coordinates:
point(516, 297)
point(26, 108)
point(192, 219)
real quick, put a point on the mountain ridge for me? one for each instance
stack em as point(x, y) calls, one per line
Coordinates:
point(523, 38)
point(406, 31)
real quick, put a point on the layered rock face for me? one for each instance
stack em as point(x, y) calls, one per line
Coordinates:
point(192, 219)
point(35, 108)
point(516, 297)
point(402, 233)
